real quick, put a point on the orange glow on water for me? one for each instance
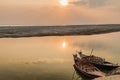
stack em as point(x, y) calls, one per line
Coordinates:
point(64, 44)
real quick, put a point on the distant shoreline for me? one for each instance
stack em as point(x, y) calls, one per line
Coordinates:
point(70, 30)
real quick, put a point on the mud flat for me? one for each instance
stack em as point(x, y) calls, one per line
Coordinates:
point(68, 30)
point(113, 77)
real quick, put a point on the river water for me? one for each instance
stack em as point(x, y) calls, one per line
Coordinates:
point(50, 58)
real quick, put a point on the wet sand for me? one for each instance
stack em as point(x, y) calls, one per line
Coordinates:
point(68, 30)
point(113, 77)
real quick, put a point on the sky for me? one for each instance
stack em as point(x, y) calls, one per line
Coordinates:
point(53, 12)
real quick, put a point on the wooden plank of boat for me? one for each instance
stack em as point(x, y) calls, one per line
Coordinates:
point(88, 74)
point(105, 66)
point(97, 72)
point(100, 63)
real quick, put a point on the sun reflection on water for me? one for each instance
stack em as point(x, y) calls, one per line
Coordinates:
point(64, 44)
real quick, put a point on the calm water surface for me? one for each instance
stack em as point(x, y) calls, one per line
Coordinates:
point(50, 58)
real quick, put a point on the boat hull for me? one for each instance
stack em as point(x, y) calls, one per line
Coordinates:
point(104, 67)
point(84, 74)
point(101, 66)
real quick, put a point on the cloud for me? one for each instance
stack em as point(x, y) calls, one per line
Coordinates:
point(79, 2)
point(85, 12)
point(90, 3)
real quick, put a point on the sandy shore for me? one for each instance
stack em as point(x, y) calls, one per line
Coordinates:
point(113, 77)
point(68, 30)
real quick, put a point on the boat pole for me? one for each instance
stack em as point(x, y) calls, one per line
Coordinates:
point(91, 52)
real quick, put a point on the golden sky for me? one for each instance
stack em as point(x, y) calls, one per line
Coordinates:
point(59, 12)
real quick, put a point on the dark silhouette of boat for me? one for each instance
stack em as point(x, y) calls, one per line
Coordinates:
point(84, 68)
point(99, 62)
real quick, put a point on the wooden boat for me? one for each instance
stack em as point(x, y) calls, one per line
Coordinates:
point(84, 68)
point(99, 62)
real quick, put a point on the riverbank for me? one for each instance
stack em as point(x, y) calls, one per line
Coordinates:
point(113, 77)
point(68, 30)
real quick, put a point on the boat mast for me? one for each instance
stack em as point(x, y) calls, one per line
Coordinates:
point(91, 52)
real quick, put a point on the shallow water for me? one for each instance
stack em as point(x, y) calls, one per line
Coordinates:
point(43, 58)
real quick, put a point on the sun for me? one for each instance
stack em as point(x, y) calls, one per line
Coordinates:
point(64, 44)
point(64, 2)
